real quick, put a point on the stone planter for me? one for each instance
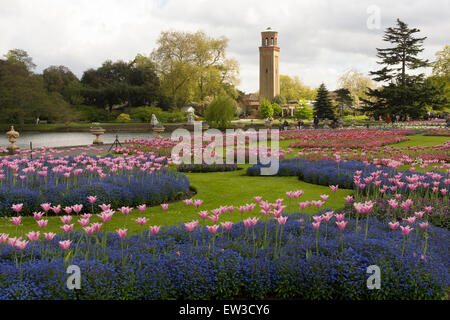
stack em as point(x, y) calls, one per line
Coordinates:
point(158, 130)
point(97, 132)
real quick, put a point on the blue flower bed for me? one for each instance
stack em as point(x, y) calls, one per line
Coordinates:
point(327, 172)
point(169, 266)
point(122, 188)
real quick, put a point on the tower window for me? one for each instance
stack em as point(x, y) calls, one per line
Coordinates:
point(267, 70)
point(271, 41)
point(267, 41)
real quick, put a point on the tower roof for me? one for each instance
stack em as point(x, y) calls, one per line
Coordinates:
point(269, 29)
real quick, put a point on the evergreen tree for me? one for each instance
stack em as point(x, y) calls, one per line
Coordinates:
point(402, 92)
point(343, 99)
point(323, 108)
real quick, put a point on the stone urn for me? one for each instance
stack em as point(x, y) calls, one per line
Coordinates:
point(12, 136)
point(97, 131)
point(158, 130)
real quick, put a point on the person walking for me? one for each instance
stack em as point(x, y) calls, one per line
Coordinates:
point(316, 122)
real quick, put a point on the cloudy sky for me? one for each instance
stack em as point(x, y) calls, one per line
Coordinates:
point(319, 39)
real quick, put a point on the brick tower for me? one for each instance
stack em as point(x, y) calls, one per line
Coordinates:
point(269, 72)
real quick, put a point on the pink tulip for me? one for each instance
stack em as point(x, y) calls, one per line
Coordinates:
point(298, 193)
point(316, 225)
point(68, 210)
point(125, 210)
point(96, 226)
point(317, 218)
point(302, 205)
point(33, 236)
point(16, 220)
point(105, 216)
point(12, 241)
point(257, 199)
point(92, 199)
point(394, 225)
point(203, 214)
point(38, 215)
point(393, 203)
point(105, 207)
point(188, 202)
point(348, 199)
point(406, 230)
point(83, 222)
point(67, 227)
point(334, 188)
point(45, 206)
point(341, 224)
point(21, 245)
point(165, 206)
point(419, 214)
point(213, 228)
point(65, 244)
point(424, 225)
point(198, 203)
point(318, 203)
point(282, 220)
point(227, 225)
point(42, 223)
point(154, 229)
point(324, 197)
point(49, 236)
point(89, 230)
point(122, 233)
point(66, 219)
point(142, 207)
point(77, 208)
point(190, 226)
point(56, 209)
point(428, 209)
point(3, 237)
point(214, 218)
point(141, 221)
point(17, 207)
point(86, 216)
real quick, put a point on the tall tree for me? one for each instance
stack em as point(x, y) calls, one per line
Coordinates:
point(57, 78)
point(358, 84)
point(343, 100)
point(294, 89)
point(19, 56)
point(323, 108)
point(402, 92)
point(194, 66)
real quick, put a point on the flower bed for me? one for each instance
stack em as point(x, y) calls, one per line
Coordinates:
point(261, 260)
point(344, 138)
point(438, 132)
point(207, 167)
point(65, 181)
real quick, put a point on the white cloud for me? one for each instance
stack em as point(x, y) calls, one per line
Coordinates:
point(318, 39)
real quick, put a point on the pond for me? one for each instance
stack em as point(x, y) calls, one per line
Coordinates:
point(65, 139)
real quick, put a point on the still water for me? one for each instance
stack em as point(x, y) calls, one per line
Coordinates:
point(65, 139)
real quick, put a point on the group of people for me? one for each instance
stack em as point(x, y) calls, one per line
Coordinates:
point(395, 118)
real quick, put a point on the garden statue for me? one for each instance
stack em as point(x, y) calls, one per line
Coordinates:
point(12, 136)
point(97, 131)
point(154, 120)
point(191, 118)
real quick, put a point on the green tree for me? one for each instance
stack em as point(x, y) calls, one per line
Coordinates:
point(357, 84)
point(266, 109)
point(279, 99)
point(276, 109)
point(193, 66)
point(23, 96)
point(343, 100)
point(323, 107)
point(19, 56)
point(57, 78)
point(221, 111)
point(294, 89)
point(402, 93)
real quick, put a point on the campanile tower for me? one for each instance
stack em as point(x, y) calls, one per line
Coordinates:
point(269, 72)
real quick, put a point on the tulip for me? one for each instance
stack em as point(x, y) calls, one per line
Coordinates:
point(16, 220)
point(92, 199)
point(257, 199)
point(45, 206)
point(188, 202)
point(3, 237)
point(66, 219)
point(105, 207)
point(142, 207)
point(56, 209)
point(164, 206)
point(141, 221)
point(213, 228)
point(341, 224)
point(38, 215)
point(42, 223)
point(227, 225)
point(203, 214)
point(154, 229)
point(49, 236)
point(282, 220)
point(20, 244)
point(125, 210)
point(67, 227)
point(17, 207)
point(33, 236)
point(65, 244)
point(122, 233)
point(334, 188)
point(77, 208)
point(68, 210)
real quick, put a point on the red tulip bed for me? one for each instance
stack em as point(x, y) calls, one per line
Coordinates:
point(344, 138)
